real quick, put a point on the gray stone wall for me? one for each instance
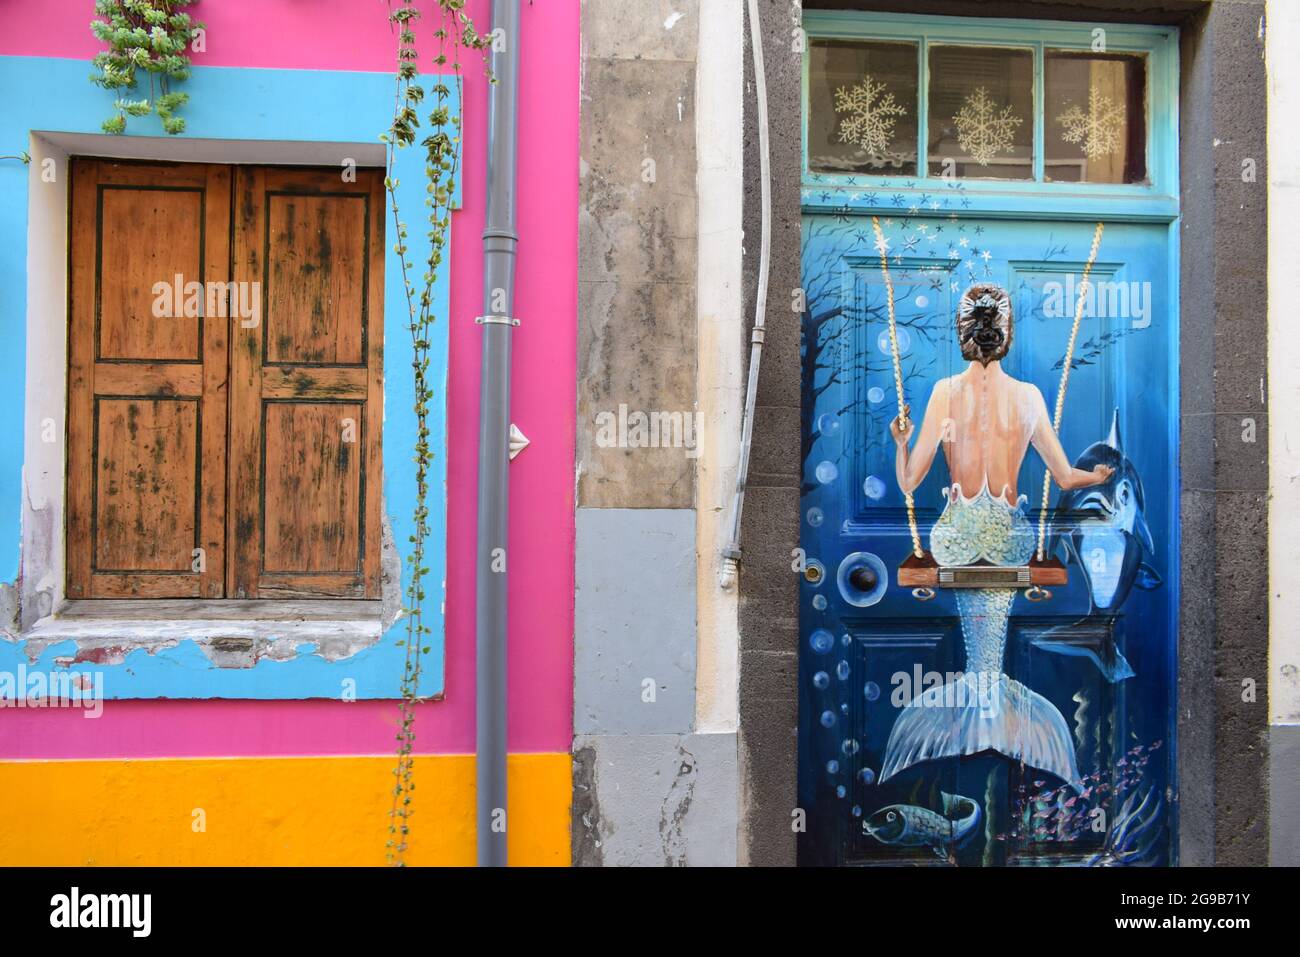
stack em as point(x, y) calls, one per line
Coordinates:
point(769, 596)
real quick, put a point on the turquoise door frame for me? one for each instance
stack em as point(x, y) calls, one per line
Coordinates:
point(1102, 653)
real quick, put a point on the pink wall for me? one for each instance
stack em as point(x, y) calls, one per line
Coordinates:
point(348, 35)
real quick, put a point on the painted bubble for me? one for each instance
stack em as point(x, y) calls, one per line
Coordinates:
point(846, 639)
point(841, 791)
point(857, 810)
point(821, 681)
point(821, 641)
point(816, 516)
point(828, 719)
point(827, 472)
point(874, 486)
point(871, 691)
point(867, 776)
point(828, 424)
point(832, 767)
point(842, 671)
point(922, 301)
point(862, 579)
point(844, 709)
point(875, 395)
point(819, 602)
point(850, 746)
point(904, 342)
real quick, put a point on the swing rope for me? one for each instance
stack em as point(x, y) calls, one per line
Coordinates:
point(1065, 381)
point(883, 248)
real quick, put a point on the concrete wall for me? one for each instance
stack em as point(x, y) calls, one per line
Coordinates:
point(1284, 448)
point(658, 322)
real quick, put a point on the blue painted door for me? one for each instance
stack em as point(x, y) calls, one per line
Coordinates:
point(973, 726)
point(887, 775)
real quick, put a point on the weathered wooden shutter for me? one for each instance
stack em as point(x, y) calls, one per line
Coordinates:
point(146, 392)
point(307, 386)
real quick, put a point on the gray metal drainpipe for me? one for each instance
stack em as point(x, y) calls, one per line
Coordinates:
point(499, 241)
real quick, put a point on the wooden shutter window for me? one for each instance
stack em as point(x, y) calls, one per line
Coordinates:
point(307, 386)
point(233, 455)
point(146, 393)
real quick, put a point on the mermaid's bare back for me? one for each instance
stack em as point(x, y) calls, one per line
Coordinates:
point(987, 425)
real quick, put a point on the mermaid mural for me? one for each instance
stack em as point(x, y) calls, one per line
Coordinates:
point(985, 420)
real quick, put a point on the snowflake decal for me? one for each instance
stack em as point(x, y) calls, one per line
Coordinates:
point(1097, 131)
point(982, 130)
point(871, 119)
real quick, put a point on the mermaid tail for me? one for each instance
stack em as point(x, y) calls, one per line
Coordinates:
point(983, 709)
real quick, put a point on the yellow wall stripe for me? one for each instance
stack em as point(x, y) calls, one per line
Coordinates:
point(269, 811)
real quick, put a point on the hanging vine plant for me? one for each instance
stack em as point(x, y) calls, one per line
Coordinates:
point(150, 36)
point(455, 32)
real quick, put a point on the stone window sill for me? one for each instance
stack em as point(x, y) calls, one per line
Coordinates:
point(232, 633)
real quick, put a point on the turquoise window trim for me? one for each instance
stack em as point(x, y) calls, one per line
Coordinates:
point(245, 104)
point(1154, 201)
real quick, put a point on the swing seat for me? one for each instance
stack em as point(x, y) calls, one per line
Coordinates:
point(925, 572)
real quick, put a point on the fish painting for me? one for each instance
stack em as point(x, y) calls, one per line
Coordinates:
point(906, 825)
point(1110, 543)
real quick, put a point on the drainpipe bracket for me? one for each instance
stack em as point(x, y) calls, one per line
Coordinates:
point(518, 441)
point(496, 320)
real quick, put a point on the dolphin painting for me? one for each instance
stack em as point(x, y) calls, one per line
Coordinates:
point(1108, 539)
point(906, 825)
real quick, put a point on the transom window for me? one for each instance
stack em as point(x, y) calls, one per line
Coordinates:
point(953, 99)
